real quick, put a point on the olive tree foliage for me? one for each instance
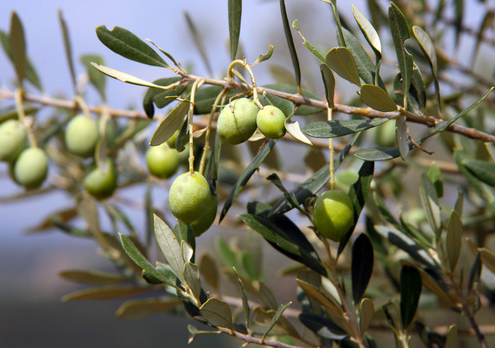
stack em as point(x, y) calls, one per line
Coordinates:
point(412, 148)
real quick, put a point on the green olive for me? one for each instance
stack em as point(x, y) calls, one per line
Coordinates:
point(189, 196)
point(102, 184)
point(271, 122)
point(173, 138)
point(13, 139)
point(333, 214)
point(31, 168)
point(162, 161)
point(237, 121)
point(81, 136)
point(206, 220)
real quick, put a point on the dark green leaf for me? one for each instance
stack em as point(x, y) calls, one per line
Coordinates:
point(429, 200)
point(95, 78)
point(139, 309)
point(410, 291)
point(400, 33)
point(377, 98)
point(290, 43)
point(128, 45)
point(338, 128)
point(323, 327)
point(217, 313)
point(246, 175)
point(18, 47)
point(483, 170)
point(341, 60)
point(68, 49)
point(275, 318)
point(245, 302)
point(475, 272)
point(402, 137)
point(454, 239)
point(206, 96)
point(459, 12)
point(377, 154)
point(235, 15)
point(104, 293)
point(361, 267)
point(319, 296)
point(160, 97)
point(285, 105)
point(191, 276)
point(170, 124)
point(93, 277)
point(303, 109)
point(329, 83)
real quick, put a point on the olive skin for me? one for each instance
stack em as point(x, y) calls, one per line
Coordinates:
point(206, 220)
point(238, 126)
point(162, 161)
point(81, 136)
point(13, 139)
point(99, 184)
point(333, 214)
point(271, 122)
point(189, 196)
point(31, 168)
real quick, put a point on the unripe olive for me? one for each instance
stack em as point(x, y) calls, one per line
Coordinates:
point(238, 126)
point(189, 196)
point(385, 134)
point(206, 220)
point(271, 122)
point(101, 184)
point(333, 214)
point(162, 161)
point(173, 138)
point(31, 168)
point(13, 139)
point(81, 136)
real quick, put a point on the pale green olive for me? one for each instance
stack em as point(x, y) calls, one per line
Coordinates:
point(102, 184)
point(237, 121)
point(81, 136)
point(13, 139)
point(31, 168)
point(189, 196)
point(333, 214)
point(271, 122)
point(162, 161)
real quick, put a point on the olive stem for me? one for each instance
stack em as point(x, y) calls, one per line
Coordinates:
point(85, 109)
point(246, 66)
point(332, 153)
point(190, 126)
point(208, 130)
point(19, 94)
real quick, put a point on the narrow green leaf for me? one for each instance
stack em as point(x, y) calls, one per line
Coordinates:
point(400, 33)
point(433, 285)
point(483, 170)
point(170, 247)
point(338, 128)
point(475, 272)
point(323, 327)
point(170, 124)
point(361, 266)
point(429, 200)
point(290, 44)
point(209, 270)
point(68, 49)
point(128, 45)
point(454, 239)
point(226, 253)
point(368, 31)
point(402, 137)
point(217, 313)
point(329, 83)
point(92, 277)
point(124, 77)
point(281, 309)
point(434, 174)
point(410, 291)
point(245, 303)
point(319, 296)
point(365, 66)
point(285, 105)
point(441, 126)
point(377, 98)
point(104, 293)
point(235, 15)
point(264, 56)
point(377, 154)
point(308, 44)
point(191, 276)
point(160, 97)
point(246, 175)
point(428, 49)
point(452, 340)
point(199, 42)
point(18, 47)
point(459, 14)
point(488, 259)
point(95, 78)
point(139, 309)
point(340, 60)
point(294, 129)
